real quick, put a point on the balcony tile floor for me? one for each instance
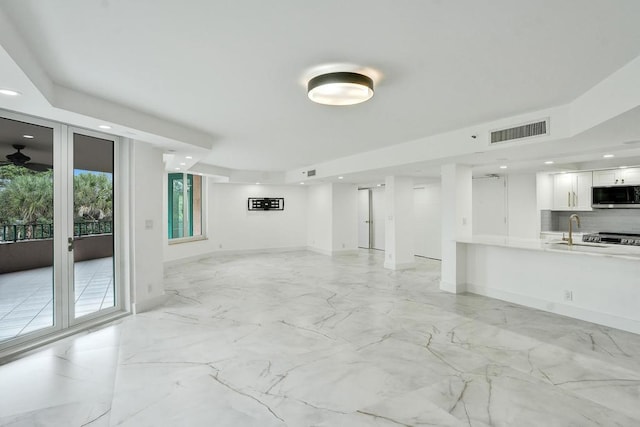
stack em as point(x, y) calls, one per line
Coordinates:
point(26, 297)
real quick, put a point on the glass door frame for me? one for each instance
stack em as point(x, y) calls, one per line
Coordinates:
point(64, 322)
point(117, 228)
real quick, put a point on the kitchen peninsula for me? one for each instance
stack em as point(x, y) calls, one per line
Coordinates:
point(596, 283)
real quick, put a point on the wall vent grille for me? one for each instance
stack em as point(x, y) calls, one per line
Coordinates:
point(519, 132)
point(311, 172)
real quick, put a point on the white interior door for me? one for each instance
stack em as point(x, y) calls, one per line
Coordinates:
point(364, 219)
point(489, 206)
point(378, 214)
point(427, 211)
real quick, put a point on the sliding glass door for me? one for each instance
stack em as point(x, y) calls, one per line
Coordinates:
point(27, 296)
point(58, 210)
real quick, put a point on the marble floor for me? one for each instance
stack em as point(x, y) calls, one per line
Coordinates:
point(26, 297)
point(302, 339)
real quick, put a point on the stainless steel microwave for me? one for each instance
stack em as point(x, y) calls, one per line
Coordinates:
point(617, 196)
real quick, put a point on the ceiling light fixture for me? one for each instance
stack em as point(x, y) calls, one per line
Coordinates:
point(302, 183)
point(28, 136)
point(341, 88)
point(341, 177)
point(608, 156)
point(549, 162)
point(188, 157)
point(104, 127)
point(503, 167)
point(183, 164)
point(9, 92)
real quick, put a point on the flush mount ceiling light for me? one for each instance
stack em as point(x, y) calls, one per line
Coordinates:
point(341, 88)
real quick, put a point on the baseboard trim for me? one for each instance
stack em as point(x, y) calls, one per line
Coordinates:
point(399, 266)
point(198, 257)
point(148, 304)
point(604, 319)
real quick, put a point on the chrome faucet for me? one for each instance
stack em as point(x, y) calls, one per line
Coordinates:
point(571, 218)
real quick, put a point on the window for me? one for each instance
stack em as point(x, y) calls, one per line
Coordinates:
point(185, 206)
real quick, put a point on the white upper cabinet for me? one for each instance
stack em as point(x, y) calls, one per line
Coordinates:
point(572, 191)
point(629, 176)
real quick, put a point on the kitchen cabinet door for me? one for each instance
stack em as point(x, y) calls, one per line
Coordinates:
point(582, 191)
point(631, 176)
point(562, 188)
point(605, 177)
point(572, 191)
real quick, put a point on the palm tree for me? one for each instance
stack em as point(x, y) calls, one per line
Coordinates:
point(27, 199)
point(93, 196)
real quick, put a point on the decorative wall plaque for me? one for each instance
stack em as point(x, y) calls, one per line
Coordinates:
point(266, 204)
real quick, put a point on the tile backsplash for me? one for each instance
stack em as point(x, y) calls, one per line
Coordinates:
point(612, 220)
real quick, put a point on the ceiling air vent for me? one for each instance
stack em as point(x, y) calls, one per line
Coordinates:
point(311, 172)
point(519, 132)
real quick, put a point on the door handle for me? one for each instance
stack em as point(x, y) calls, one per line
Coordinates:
point(575, 199)
point(367, 222)
point(70, 244)
point(569, 198)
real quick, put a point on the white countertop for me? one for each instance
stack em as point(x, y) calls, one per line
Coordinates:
point(579, 247)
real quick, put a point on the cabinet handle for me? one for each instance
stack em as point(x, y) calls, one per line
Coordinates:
point(623, 180)
point(569, 198)
point(616, 181)
point(575, 200)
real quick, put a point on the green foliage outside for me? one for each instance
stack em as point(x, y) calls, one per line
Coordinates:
point(26, 197)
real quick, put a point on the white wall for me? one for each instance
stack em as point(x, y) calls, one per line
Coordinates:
point(345, 217)
point(379, 218)
point(319, 210)
point(522, 212)
point(147, 225)
point(506, 206)
point(231, 227)
point(489, 206)
point(427, 223)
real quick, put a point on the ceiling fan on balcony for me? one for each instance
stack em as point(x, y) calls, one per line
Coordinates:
point(22, 160)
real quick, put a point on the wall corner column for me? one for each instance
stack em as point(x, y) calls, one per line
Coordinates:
point(456, 225)
point(399, 245)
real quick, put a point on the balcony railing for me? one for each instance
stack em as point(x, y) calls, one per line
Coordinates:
point(20, 232)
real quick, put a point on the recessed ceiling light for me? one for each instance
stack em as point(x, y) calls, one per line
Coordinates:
point(302, 183)
point(379, 185)
point(503, 167)
point(341, 88)
point(563, 172)
point(9, 92)
point(548, 162)
point(182, 164)
point(104, 127)
point(188, 157)
point(341, 177)
point(608, 156)
point(177, 169)
point(257, 183)
point(623, 167)
point(28, 136)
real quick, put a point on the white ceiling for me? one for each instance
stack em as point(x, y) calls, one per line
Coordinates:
point(236, 70)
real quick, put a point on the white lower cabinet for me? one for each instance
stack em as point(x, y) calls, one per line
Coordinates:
point(572, 191)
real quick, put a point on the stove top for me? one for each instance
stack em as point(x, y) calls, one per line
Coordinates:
point(615, 238)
